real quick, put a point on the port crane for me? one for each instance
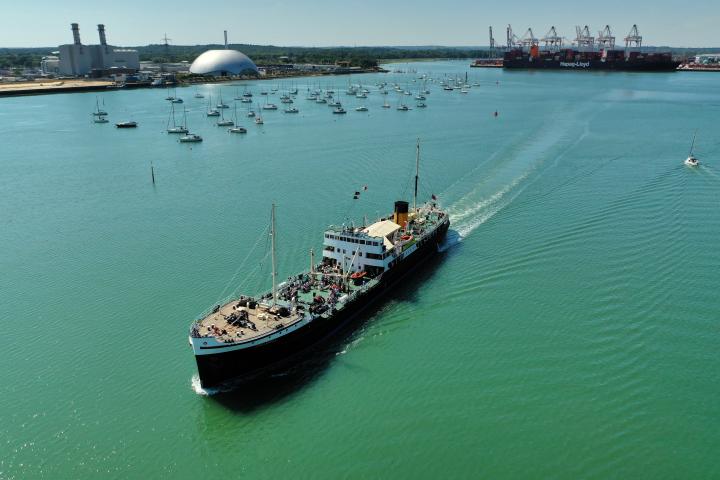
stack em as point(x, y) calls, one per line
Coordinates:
point(583, 39)
point(512, 39)
point(529, 39)
point(605, 39)
point(552, 40)
point(633, 38)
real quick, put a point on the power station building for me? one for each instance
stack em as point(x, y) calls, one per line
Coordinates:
point(97, 60)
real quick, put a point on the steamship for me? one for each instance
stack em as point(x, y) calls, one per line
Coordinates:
point(249, 337)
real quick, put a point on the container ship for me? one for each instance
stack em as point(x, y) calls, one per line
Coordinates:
point(587, 52)
point(248, 337)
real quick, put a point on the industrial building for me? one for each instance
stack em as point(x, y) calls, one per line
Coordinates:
point(221, 63)
point(101, 60)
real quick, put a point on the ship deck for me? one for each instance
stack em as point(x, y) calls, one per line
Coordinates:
point(225, 327)
point(317, 294)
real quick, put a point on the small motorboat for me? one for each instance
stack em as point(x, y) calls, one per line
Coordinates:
point(213, 113)
point(421, 105)
point(292, 110)
point(126, 125)
point(237, 130)
point(225, 123)
point(177, 100)
point(100, 119)
point(258, 121)
point(269, 106)
point(403, 108)
point(251, 114)
point(339, 111)
point(361, 109)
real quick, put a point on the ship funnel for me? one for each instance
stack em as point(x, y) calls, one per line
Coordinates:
point(225, 32)
point(101, 32)
point(76, 33)
point(400, 216)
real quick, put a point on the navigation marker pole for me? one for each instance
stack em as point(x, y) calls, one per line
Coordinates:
point(152, 172)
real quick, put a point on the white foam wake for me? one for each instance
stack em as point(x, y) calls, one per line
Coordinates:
point(197, 388)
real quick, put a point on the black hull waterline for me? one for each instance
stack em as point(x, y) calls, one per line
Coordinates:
point(256, 361)
point(590, 65)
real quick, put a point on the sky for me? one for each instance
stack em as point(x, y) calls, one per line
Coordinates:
point(43, 23)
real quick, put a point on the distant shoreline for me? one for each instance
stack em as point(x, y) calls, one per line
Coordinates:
point(84, 85)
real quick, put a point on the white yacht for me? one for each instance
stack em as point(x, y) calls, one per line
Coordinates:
point(182, 129)
point(222, 122)
point(191, 138)
point(691, 160)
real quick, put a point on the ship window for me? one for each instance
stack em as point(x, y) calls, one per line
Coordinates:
point(362, 242)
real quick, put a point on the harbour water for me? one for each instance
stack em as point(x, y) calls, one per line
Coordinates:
point(570, 330)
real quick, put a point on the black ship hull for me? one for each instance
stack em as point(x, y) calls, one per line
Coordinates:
point(253, 362)
point(573, 60)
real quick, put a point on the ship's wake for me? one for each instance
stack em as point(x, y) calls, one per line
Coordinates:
point(523, 165)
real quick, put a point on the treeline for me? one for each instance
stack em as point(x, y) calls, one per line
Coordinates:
point(365, 57)
point(22, 57)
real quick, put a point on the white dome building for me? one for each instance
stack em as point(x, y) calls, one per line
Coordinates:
point(223, 63)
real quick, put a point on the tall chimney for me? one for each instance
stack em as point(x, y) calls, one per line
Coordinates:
point(101, 32)
point(76, 33)
point(225, 39)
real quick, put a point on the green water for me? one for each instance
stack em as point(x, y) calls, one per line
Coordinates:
point(569, 331)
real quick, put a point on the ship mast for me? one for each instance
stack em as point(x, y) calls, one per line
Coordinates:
point(417, 171)
point(274, 259)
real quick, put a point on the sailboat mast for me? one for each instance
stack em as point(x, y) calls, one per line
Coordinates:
point(692, 146)
point(274, 260)
point(417, 172)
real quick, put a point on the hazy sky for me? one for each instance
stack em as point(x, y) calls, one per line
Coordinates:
point(32, 23)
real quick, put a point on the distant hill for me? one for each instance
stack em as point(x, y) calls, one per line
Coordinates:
point(362, 56)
